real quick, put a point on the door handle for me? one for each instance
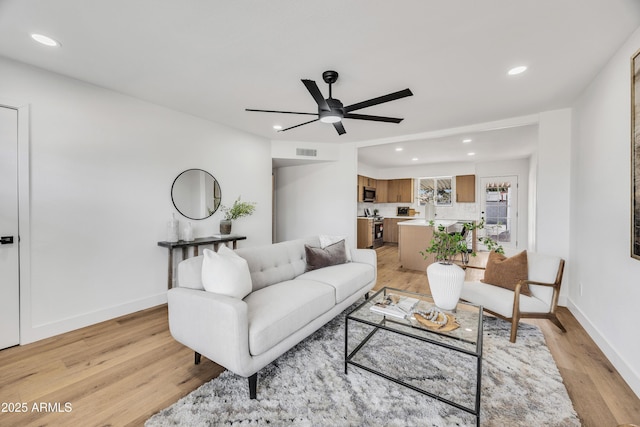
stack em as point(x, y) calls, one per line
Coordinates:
point(6, 240)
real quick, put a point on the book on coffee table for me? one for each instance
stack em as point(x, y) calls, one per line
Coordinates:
point(395, 306)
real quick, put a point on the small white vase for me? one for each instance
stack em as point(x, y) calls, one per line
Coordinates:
point(445, 282)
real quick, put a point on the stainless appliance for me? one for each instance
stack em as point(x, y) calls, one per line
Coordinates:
point(403, 211)
point(369, 194)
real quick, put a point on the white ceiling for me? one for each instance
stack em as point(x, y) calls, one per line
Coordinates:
point(214, 58)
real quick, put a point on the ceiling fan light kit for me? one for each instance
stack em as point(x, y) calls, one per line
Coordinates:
point(331, 110)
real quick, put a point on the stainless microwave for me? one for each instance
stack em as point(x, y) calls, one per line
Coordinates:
point(369, 194)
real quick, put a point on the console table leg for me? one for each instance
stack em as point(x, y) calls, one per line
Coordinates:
point(170, 282)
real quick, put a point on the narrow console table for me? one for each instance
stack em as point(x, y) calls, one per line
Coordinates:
point(213, 240)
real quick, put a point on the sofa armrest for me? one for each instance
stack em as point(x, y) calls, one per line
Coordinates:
point(366, 256)
point(213, 325)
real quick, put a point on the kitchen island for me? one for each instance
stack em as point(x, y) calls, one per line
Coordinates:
point(415, 235)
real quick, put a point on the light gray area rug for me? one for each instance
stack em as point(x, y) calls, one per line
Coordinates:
point(307, 386)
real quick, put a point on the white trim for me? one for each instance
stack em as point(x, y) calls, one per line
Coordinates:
point(39, 332)
point(24, 217)
point(627, 373)
point(24, 212)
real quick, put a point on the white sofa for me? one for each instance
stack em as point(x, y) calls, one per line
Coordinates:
point(286, 304)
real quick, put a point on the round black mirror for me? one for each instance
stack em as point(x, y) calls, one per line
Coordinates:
point(196, 194)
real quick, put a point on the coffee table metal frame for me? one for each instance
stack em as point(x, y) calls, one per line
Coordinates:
point(392, 324)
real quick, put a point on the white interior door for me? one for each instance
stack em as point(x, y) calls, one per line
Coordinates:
point(499, 202)
point(9, 267)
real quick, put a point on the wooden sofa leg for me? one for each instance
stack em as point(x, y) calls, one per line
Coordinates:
point(253, 386)
point(197, 358)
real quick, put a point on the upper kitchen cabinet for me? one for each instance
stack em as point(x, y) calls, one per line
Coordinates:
point(364, 181)
point(382, 186)
point(400, 190)
point(466, 188)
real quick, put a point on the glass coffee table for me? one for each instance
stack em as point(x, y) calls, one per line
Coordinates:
point(425, 359)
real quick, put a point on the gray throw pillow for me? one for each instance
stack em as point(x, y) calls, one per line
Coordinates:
point(330, 255)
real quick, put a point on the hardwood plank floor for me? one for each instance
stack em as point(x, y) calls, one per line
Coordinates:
point(120, 372)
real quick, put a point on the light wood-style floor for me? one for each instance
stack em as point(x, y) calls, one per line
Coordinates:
point(120, 372)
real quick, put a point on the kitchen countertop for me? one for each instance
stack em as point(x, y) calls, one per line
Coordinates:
point(425, 223)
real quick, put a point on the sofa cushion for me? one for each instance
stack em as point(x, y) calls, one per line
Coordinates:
point(326, 240)
point(225, 273)
point(279, 310)
point(276, 263)
point(324, 257)
point(345, 279)
point(190, 273)
point(500, 300)
point(507, 272)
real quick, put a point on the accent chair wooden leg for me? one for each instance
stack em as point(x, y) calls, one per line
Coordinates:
point(514, 329)
point(197, 358)
point(253, 386)
point(556, 322)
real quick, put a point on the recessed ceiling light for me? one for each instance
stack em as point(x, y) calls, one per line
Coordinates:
point(517, 70)
point(45, 40)
point(466, 141)
point(415, 159)
point(277, 127)
point(399, 149)
point(471, 154)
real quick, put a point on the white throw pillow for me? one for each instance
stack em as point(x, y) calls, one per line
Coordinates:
point(226, 273)
point(330, 240)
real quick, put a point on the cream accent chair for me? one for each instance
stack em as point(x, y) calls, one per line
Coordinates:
point(545, 278)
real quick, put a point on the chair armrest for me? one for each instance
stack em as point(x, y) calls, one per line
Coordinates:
point(213, 325)
point(476, 267)
point(532, 282)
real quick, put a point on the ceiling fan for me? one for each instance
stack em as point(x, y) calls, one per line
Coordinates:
point(331, 110)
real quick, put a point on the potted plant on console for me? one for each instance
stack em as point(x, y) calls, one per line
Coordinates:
point(445, 276)
point(237, 210)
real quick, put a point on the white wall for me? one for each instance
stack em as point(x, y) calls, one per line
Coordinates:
point(318, 198)
point(101, 169)
point(605, 290)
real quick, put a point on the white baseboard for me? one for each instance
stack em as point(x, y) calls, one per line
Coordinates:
point(39, 332)
point(631, 377)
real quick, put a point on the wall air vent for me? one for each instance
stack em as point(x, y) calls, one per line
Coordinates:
point(309, 152)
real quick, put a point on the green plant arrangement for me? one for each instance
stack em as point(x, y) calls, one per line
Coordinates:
point(445, 246)
point(239, 209)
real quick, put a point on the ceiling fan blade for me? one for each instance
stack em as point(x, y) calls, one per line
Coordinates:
point(379, 100)
point(284, 112)
point(372, 118)
point(301, 124)
point(312, 87)
point(339, 128)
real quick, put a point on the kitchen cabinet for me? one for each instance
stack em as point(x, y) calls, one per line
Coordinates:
point(412, 240)
point(466, 189)
point(365, 233)
point(382, 186)
point(391, 229)
point(400, 190)
point(364, 181)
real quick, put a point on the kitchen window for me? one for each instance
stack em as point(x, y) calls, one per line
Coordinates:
point(436, 190)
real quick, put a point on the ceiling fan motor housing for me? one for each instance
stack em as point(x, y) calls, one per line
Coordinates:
point(335, 113)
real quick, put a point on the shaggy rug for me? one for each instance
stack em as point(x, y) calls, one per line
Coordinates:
point(307, 386)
